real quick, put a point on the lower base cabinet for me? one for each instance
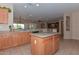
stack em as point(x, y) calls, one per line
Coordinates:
point(47, 45)
point(12, 39)
point(44, 46)
point(55, 43)
point(37, 46)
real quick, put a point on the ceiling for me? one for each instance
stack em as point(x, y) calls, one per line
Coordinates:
point(45, 11)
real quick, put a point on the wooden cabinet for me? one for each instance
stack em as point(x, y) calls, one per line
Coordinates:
point(3, 16)
point(4, 41)
point(44, 46)
point(56, 37)
point(53, 26)
point(10, 39)
point(36, 45)
point(55, 43)
point(47, 45)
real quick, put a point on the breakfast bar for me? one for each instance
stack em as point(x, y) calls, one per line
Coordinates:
point(44, 43)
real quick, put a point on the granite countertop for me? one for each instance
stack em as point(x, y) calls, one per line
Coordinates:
point(44, 34)
point(28, 30)
point(13, 31)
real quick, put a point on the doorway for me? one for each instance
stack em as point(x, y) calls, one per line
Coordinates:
point(62, 30)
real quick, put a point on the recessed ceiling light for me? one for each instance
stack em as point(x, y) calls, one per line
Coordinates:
point(37, 5)
point(30, 15)
point(40, 17)
point(25, 6)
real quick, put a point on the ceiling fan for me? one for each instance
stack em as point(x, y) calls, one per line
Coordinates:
point(31, 5)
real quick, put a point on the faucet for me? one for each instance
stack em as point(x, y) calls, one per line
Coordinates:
point(10, 27)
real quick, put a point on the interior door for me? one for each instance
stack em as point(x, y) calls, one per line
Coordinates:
point(62, 30)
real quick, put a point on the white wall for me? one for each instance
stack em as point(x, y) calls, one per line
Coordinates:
point(4, 27)
point(74, 26)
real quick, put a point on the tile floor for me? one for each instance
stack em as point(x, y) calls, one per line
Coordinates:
point(67, 47)
point(19, 50)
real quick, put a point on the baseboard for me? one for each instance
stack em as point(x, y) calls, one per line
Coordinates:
point(71, 39)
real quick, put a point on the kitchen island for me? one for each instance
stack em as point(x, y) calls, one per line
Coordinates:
point(44, 43)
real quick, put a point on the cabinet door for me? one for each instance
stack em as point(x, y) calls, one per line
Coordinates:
point(9, 41)
point(19, 38)
point(52, 44)
point(47, 43)
point(55, 43)
point(4, 41)
point(34, 44)
point(25, 38)
point(28, 37)
point(14, 39)
point(0, 42)
point(37, 45)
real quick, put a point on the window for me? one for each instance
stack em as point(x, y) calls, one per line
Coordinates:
point(32, 26)
point(3, 16)
point(18, 26)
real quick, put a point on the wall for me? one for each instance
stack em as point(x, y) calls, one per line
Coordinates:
point(74, 26)
point(4, 27)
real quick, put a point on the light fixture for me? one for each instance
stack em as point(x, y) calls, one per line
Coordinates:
point(30, 15)
point(25, 6)
point(31, 4)
point(40, 17)
point(37, 5)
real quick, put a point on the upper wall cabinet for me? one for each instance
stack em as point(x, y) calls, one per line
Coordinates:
point(3, 16)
